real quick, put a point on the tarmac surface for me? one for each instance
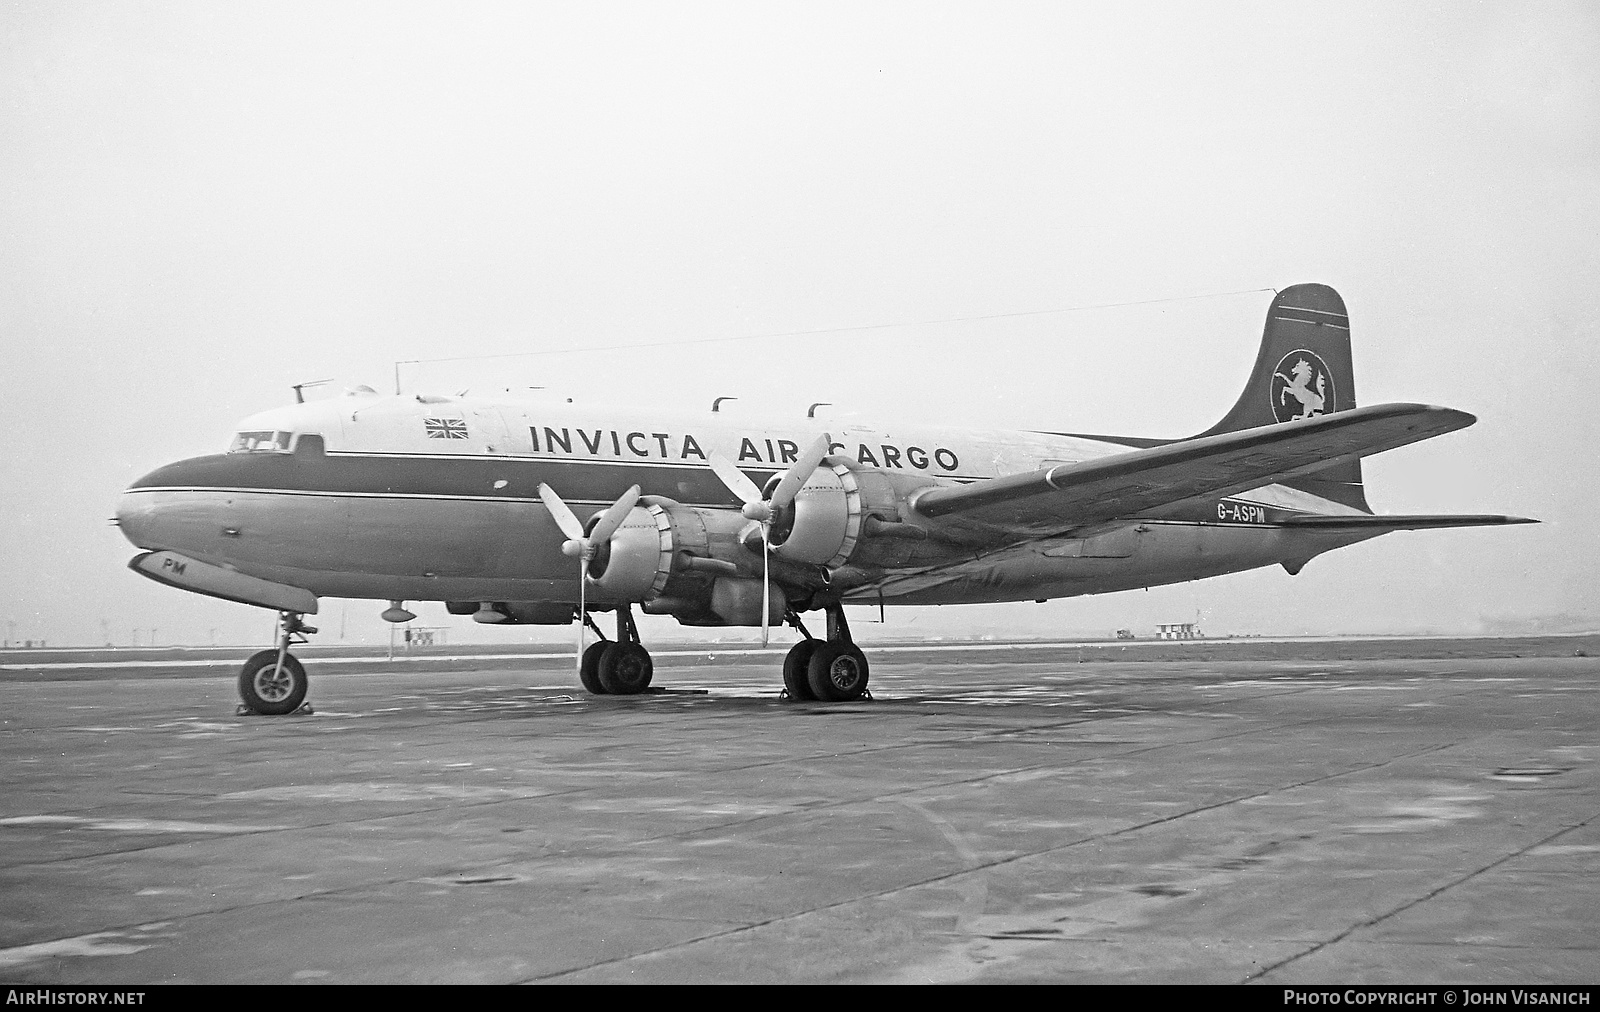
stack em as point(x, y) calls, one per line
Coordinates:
point(1407, 813)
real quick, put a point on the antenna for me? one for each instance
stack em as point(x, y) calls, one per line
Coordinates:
point(298, 388)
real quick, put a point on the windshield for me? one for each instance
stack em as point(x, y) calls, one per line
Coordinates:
point(265, 441)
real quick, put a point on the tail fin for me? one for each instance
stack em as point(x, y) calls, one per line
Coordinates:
point(1303, 370)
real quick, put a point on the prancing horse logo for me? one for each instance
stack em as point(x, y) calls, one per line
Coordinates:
point(1302, 387)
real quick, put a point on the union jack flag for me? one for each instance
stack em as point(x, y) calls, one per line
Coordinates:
point(445, 428)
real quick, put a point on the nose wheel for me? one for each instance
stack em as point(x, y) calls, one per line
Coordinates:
point(273, 682)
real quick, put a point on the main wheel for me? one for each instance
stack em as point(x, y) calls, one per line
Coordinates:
point(837, 672)
point(589, 670)
point(267, 688)
point(625, 668)
point(794, 669)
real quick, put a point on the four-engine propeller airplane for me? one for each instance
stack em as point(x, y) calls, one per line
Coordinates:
point(478, 503)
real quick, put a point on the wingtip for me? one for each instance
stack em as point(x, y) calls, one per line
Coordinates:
point(1461, 419)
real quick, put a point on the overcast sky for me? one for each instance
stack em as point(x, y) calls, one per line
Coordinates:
point(201, 204)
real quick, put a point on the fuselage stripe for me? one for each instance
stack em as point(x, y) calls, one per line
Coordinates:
point(434, 497)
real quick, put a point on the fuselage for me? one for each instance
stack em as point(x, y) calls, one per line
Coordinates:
point(432, 498)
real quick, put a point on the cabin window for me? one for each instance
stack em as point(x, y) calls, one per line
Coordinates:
point(262, 441)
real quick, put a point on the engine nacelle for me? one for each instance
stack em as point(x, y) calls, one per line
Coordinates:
point(636, 563)
point(840, 511)
point(704, 567)
point(671, 553)
point(822, 524)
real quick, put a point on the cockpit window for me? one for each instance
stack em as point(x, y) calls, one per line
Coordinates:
point(265, 441)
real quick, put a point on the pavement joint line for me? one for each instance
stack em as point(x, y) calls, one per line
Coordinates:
point(842, 803)
point(968, 781)
point(991, 735)
point(676, 716)
point(1171, 711)
point(1402, 908)
point(1452, 944)
point(960, 700)
point(990, 865)
point(323, 894)
point(490, 802)
point(1069, 844)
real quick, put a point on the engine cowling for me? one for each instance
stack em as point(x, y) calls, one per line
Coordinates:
point(679, 560)
point(823, 523)
point(703, 565)
point(637, 562)
point(849, 514)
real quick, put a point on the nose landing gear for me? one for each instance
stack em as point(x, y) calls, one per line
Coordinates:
point(273, 682)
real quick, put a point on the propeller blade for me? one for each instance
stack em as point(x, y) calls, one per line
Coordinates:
point(613, 517)
point(800, 473)
point(735, 479)
point(561, 513)
point(766, 588)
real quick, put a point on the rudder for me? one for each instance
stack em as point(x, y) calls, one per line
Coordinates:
point(1303, 370)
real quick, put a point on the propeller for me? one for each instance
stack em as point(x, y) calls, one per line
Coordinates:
point(763, 509)
point(582, 547)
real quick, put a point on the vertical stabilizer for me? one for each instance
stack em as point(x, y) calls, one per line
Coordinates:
point(1303, 370)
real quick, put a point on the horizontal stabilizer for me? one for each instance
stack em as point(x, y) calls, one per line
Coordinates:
point(1125, 484)
point(1402, 522)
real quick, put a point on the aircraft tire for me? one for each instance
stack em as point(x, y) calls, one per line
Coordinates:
point(266, 690)
point(837, 672)
point(589, 670)
point(795, 676)
point(625, 669)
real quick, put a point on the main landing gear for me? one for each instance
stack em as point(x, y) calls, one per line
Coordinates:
point(620, 667)
point(832, 670)
point(272, 682)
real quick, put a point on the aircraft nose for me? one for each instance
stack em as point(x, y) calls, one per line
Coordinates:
point(178, 507)
point(147, 510)
point(133, 517)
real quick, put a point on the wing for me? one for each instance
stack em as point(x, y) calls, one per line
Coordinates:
point(1070, 496)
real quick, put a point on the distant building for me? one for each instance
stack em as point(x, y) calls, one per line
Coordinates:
point(424, 636)
point(1178, 631)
